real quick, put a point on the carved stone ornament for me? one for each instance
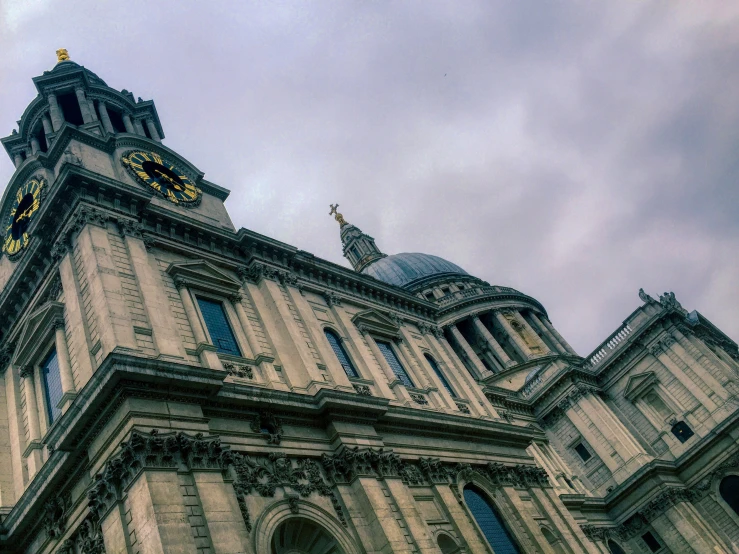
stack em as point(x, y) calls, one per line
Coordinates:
point(53, 291)
point(332, 299)
point(88, 539)
point(157, 452)
point(644, 297)
point(59, 250)
point(268, 425)
point(55, 515)
point(239, 370)
point(438, 332)
point(669, 301)
point(264, 475)
point(130, 228)
point(419, 399)
point(464, 408)
point(362, 390)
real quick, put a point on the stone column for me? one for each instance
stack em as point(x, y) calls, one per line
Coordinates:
point(57, 120)
point(84, 106)
point(494, 344)
point(544, 329)
point(17, 159)
point(221, 512)
point(139, 128)
point(561, 519)
point(127, 124)
point(34, 429)
point(105, 117)
point(519, 344)
point(65, 366)
point(34, 146)
point(697, 368)
point(479, 370)
point(560, 338)
point(78, 339)
point(48, 129)
point(530, 330)
point(91, 105)
point(206, 351)
point(694, 529)
point(153, 130)
point(659, 353)
point(33, 449)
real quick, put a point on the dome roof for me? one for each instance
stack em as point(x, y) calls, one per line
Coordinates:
point(403, 270)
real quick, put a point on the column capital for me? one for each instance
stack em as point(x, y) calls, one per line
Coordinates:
point(26, 372)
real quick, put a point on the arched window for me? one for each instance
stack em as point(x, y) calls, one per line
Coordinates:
point(440, 375)
point(490, 522)
point(346, 363)
point(300, 535)
point(729, 491)
point(392, 360)
point(614, 548)
point(446, 544)
point(52, 386)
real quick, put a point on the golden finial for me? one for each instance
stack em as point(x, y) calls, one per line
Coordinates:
point(337, 216)
point(62, 55)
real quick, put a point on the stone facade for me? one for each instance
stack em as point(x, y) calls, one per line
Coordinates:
point(161, 442)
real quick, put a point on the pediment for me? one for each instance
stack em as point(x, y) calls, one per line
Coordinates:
point(639, 384)
point(203, 275)
point(376, 323)
point(36, 330)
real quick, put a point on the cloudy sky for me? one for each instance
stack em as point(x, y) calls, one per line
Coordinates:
point(574, 150)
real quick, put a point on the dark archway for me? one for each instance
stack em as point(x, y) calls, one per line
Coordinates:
point(446, 544)
point(302, 536)
point(615, 548)
point(729, 491)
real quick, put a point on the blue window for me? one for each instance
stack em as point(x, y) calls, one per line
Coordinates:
point(440, 375)
point(490, 523)
point(338, 349)
point(52, 386)
point(394, 363)
point(218, 327)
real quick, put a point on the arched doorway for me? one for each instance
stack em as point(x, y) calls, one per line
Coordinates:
point(729, 491)
point(490, 522)
point(302, 536)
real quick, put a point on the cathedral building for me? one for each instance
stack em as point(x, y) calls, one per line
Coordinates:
point(172, 384)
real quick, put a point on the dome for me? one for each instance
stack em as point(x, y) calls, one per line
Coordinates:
point(406, 269)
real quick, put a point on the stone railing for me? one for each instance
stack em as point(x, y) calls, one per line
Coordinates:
point(464, 294)
point(608, 346)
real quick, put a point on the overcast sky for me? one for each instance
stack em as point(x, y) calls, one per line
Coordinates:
point(574, 150)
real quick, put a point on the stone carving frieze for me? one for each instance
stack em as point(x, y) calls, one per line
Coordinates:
point(55, 515)
point(363, 390)
point(264, 475)
point(242, 371)
point(332, 299)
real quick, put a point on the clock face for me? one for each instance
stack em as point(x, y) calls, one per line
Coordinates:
point(165, 178)
point(25, 205)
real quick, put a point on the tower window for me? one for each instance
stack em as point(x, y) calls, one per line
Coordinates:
point(70, 108)
point(341, 354)
point(583, 452)
point(440, 375)
point(52, 386)
point(218, 328)
point(651, 541)
point(41, 137)
point(490, 522)
point(430, 296)
point(355, 252)
point(116, 120)
point(682, 431)
point(394, 363)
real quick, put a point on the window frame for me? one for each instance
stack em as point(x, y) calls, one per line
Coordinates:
point(716, 488)
point(436, 369)
point(342, 341)
point(589, 449)
point(43, 384)
point(392, 349)
point(227, 307)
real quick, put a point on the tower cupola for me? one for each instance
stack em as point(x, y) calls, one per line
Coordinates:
point(72, 95)
point(359, 248)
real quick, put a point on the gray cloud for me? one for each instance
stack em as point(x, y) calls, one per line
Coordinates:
point(573, 150)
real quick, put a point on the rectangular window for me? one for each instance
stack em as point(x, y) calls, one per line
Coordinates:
point(394, 363)
point(651, 541)
point(583, 452)
point(218, 328)
point(52, 386)
point(682, 431)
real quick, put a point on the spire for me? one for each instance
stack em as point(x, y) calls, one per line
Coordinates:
point(359, 248)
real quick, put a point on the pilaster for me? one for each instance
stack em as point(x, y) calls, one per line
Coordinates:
point(496, 347)
point(480, 371)
point(519, 344)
